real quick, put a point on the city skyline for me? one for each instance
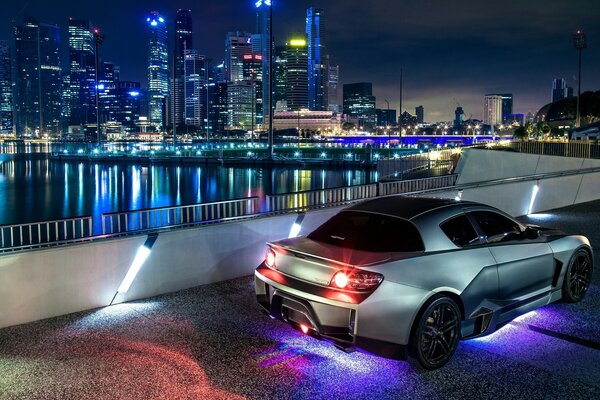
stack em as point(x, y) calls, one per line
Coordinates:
point(459, 51)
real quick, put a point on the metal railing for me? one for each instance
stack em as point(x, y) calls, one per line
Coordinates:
point(417, 185)
point(42, 233)
point(319, 198)
point(578, 149)
point(166, 217)
point(398, 167)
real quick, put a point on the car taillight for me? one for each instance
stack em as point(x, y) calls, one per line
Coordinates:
point(270, 258)
point(356, 280)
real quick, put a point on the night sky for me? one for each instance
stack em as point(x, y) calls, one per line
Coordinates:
point(450, 50)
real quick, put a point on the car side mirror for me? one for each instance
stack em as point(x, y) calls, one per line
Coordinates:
point(531, 233)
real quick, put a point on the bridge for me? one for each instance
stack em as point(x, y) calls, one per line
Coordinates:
point(159, 304)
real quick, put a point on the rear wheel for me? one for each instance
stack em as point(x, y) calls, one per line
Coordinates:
point(577, 277)
point(436, 333)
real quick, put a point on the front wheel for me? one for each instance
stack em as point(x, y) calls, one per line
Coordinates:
point(577, 277)
point(437, 332)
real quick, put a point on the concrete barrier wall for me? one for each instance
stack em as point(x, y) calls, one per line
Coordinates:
point(479, 165)
point(46, 283)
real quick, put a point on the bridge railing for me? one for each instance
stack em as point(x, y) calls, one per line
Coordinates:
point(165, 217)
point(35, 234)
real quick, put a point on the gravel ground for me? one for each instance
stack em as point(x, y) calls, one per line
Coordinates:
point(212, 342)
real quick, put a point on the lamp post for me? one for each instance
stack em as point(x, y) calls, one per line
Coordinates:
point(98, 39)
point(579, 43)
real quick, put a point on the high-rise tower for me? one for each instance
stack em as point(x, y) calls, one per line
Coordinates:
point(317, 60)
point(237, 45)
point(296, 72)
point(183, 43)
point(158, 68)
point(6, 95)
point(38, 73)
point(82, 69)
point(263, 29)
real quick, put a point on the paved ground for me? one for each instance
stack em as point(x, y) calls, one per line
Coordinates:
point(212, 342)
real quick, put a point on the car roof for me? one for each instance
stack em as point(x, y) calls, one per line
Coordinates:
point(406, 207)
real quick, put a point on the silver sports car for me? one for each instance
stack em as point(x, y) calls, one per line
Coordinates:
point(399, 276)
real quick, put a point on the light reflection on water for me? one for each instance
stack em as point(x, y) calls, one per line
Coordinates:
point(39, 189)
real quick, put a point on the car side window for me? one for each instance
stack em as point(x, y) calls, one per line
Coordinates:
point(460, 231)
point(494, 226)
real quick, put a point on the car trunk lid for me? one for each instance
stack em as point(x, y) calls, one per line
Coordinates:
point(317, 262)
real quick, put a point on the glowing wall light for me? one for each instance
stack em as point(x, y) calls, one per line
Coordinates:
point(296, 227)
point(140, 257)
point(534, 193)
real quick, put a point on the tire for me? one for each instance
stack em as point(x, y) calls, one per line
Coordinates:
point(577, 277)
point(436, 333)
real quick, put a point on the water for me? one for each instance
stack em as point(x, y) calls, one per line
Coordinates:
point(34, 188)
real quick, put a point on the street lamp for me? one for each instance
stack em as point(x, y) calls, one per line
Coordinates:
point(579, 43)
point(98, 39)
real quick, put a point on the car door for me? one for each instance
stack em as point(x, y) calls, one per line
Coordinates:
point(525, 266)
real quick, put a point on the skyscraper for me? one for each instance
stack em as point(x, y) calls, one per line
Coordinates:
point(183, 42)
point(254, 74)
point(6, 95)
point(492, 109)
point(459, 117)
point(82, 73)
point(420, 113)
point(296, 72)
point(263, 29)
point(195, 89)
point(359, 103)
point(38, 73)
point(237, 45)
point(158, 68)
point(506, 107)
point(559, 89)
point(333, 102)
point(317, 60)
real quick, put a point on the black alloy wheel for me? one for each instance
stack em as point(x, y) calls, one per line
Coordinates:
point(437, 333)
point(577, 277)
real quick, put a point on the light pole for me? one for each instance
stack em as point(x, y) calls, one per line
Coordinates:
point(98, 39)
point(579, 43)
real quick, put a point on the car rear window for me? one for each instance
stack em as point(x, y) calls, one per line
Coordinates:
point(369, 232)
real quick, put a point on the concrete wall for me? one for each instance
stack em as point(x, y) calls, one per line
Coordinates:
point(46, 283)
point(479, 165)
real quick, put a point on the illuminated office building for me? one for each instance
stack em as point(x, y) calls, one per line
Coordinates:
point(183, 43)
point(195, 74)
point(264, 46)
point(237, 45)
point(6, 95)
point(158, 68)
point(318, 68)
point(359, 104)
point(38, 73)
point(82, 73)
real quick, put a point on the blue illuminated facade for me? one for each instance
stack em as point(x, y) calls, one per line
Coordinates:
point(158, 68)
point(317, 60)
point(6, 96)
point(183, 43)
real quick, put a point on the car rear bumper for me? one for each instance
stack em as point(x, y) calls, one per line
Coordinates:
point(327, 319)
